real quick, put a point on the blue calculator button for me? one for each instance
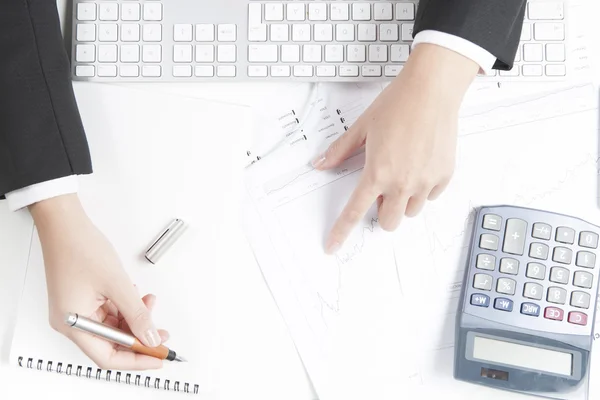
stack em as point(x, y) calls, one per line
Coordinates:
point(480, 300)
point(530, 309)
point(503, 304)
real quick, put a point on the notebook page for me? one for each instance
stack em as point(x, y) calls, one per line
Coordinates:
point(155, 158)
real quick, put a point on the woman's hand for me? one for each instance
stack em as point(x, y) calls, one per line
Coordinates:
point(410, 136)
point(84, 275)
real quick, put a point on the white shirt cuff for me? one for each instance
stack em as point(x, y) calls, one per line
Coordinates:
point(482, 57)
point(29, 195)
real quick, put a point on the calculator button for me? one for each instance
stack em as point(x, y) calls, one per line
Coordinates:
point(506, 286)
point(554, 313)
point(588, 239)
point(585, 259)
point(565, 235)
point(482, 281)
point(583, 279)
point(488, 241)
point(539, 251)
point(559, 275)
point(492, 221)
point(580, 299)
point(530, 309)
point(480, 300)
point(578, 318)
point(486, 261)
point(536, 271)
point(541, 231)
point(509, 266)
point(514, 236)
point(557, 295)
point(503, 304)
point(533, 291)
point(562, 255)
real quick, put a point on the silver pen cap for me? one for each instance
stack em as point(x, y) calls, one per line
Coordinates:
point(165, 241)
point(100, 330)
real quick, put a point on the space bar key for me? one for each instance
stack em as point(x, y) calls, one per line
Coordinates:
point(514, 236)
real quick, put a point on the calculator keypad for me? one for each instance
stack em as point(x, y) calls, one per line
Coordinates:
point(588, 239)
point(583, 279)
point(536, 271)
point(562, 255)
point(541, 231)
point(489, 242)
point(486, 261)
point(514, 236)
point(557, 295)
point(585, 259)
point(482, 282)
point(580, 299)
point(506, 286)
point(533, 291)
point(509, 266)
point(565, 235)
point(559, 275)
point(538, 251)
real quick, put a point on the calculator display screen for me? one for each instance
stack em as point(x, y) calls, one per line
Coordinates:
point(522, 356)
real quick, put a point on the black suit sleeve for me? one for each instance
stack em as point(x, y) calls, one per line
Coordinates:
point(41, 132)
point(491, 24)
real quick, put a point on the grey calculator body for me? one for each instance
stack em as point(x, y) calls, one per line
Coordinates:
point(528, 303)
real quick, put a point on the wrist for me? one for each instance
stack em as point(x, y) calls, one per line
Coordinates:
point(57, 212)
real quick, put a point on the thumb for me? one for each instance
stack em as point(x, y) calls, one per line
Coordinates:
point(136, 314)
point(340, 149)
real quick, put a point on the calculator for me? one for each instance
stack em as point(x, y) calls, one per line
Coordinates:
point(528, 303)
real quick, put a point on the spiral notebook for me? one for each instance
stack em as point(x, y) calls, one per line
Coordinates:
point(156, 158)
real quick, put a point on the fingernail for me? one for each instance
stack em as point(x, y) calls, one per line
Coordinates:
point(332, 247)
point(152, 337)
point(318, 162)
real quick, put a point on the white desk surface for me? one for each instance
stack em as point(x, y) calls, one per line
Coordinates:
point(15, 235)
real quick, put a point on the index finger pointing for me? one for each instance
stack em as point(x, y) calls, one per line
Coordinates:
point(361, 200)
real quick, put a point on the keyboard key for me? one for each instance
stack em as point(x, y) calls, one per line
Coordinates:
point(301, 32)
point(344, 32)
point(312, 53)
point(356, 53)
point(367, 32)
point(86, 32)
point(585, 259)
point(152, 33)
point(531, 309)
point(489, 242)
point(407, 32)
point(130, 53)
point(257, 33)
point(205, 53)
point(588, 239)
point(532, 70)
point(580, 299)
point(577, 318)
point(556, 70)
point(486, 261)
point(405, 12)
point(262, 53)
point(152, 53)
point(182, 53)
point(274, 12)
point(583, 279)
point(509, 266)
point(399, 52)
point(533, 291)
point(107, 53)
point(340, 12)
point(559, 275)
point(226, 71)
point(565, 235)
point(506, 286)
point(107, 32)
point(129, 71)
point(279, 33)
point(492, 222)
point(108, 12)
point(482, 281)
point(84, 71)
point(254, 14)
point(303, 70)
point(290, 53)
point(393, 70)
point(151, 71)
point(554, 313)
point(107, 71)
point(539, 251)
point(257, 70)
point(317, 12)
point(361, 11)
point(514, 71)
point(323, 33)
point(205, 33)
point(130, 11)
point(152, 12)
point(206, 71)
point(282, 70)
point(349, 70)
point(503, 304)
point(182, 32)
point(378, 53)
point(85, 53)
point(182, 71)
point(541, 231)
point(86, 11)
point(226, 53)
point(480, 300)
point(536, 271)
point(557, 295)
point(514, 236)
point(533, 52)
point(562, 255)
point(555, 52)
point(388, 32)
point(371, 70)
point(326, 70)
point(130, 33)
point(296, 12)
point(382, 11)
point(226, 33)
point(543, 10)
point(526, 32)
point(548, 31)
point(334, 53)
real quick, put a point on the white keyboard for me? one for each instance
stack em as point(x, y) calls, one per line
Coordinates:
point(212, 40)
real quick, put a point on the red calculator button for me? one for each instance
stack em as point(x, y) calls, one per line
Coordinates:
point(578, 318)
point(554, 313)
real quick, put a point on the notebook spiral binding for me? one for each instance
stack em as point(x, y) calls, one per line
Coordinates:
point(88, 372)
